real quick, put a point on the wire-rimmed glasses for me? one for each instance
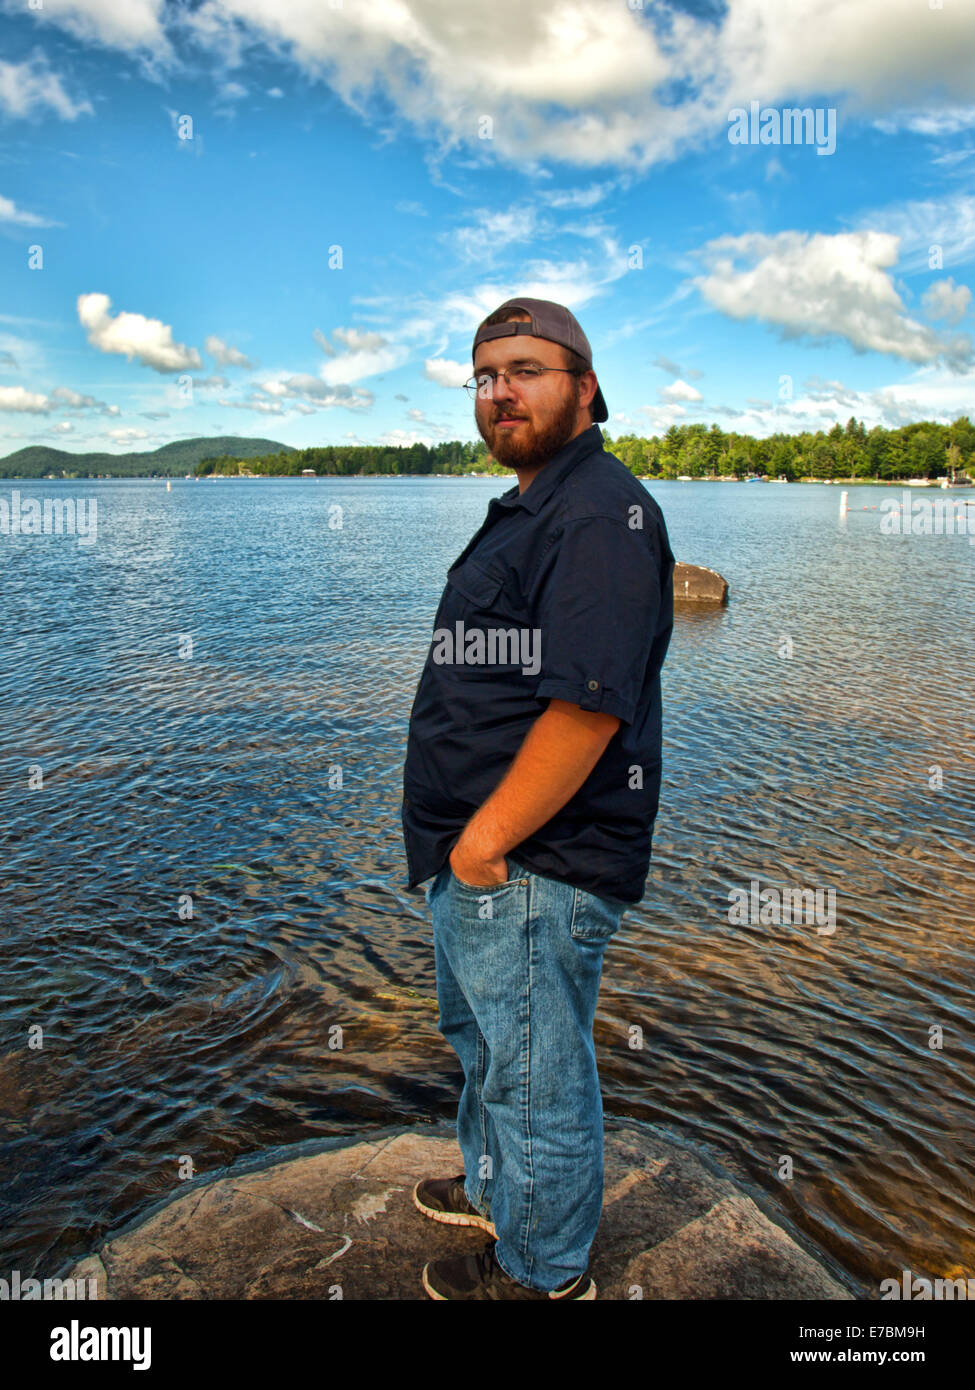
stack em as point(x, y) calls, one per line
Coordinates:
point(482, 382)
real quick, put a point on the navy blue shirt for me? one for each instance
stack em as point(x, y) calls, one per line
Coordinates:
point(565, 592)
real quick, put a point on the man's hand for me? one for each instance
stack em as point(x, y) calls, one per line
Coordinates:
point(471, 869)
point(560, 750)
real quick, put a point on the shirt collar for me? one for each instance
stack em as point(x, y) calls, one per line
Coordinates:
point(547, 480)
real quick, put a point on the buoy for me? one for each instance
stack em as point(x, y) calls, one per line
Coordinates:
point(844, 500)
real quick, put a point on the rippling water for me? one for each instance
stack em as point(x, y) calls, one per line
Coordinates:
point(256, 784)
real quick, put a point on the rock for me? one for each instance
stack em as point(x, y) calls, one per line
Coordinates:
point(330, 1219)
point(696, 584)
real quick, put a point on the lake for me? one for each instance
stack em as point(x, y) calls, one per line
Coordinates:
point(204, 908)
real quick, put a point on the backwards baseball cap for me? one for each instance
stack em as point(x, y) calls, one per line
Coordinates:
point(551, 321)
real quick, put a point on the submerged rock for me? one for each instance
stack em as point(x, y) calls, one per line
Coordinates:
point(698, 584)
point(335, 1219)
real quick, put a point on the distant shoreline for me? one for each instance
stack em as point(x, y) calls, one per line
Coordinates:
point(464, 477)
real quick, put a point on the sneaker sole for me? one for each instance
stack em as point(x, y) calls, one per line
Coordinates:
point(452, 1218)
point(588, 1296)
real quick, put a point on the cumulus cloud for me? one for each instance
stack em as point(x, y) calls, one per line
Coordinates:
point(149, 341)
point(19, 398)
point(127, 434)
point(223, 354)
point(361, 353)
point(679, 391)
point(313, 391)
point(946, 300)
point(445, 372)
point(585, 82)
point(32, 88)
point(75, 401)
point(134, 25)
point(823, 286)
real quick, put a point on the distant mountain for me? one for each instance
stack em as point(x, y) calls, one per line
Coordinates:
point(169, 461)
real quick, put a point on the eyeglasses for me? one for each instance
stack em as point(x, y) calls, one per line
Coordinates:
point(483, 383)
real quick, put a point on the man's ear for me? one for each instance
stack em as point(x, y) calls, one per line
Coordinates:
point(588, 385)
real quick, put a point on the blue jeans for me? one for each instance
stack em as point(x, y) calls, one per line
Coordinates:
point(518, 971)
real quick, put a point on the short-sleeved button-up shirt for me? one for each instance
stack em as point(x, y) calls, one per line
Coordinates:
point(565, 592)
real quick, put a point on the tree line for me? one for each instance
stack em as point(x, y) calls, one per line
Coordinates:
point(921, 450)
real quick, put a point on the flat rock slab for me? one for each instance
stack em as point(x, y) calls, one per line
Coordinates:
point(340, 1223)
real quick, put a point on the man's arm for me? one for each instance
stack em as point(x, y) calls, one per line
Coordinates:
point(558, 753)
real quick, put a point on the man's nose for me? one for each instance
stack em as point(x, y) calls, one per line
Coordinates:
point(502, 386)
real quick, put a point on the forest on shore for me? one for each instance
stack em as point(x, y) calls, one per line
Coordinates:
point(924, 449)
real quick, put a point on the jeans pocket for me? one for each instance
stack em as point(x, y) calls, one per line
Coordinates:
point(594, 918)
point(515, 871)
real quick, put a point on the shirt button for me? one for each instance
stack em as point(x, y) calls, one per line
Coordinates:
point(593, 685)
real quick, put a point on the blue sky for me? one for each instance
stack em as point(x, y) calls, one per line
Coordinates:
point(366, 179)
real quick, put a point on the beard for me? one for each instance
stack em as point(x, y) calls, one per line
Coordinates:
point(529, 447)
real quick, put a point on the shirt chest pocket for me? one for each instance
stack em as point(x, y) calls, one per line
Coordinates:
point(479, 631)
point(473, 594)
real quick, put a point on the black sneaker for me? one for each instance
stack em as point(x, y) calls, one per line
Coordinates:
point(480, 1276)
point(444, 1199)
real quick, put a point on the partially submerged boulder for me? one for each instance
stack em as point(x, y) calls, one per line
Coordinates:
point(698, 584)
point(335, 1219)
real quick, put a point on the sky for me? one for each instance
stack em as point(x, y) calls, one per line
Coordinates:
point(243, 217)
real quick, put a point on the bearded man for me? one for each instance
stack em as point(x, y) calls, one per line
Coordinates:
point(530, 789)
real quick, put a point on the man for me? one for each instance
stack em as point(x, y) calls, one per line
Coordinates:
point(531, 784)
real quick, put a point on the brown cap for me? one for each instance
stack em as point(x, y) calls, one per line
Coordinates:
point(551, 321)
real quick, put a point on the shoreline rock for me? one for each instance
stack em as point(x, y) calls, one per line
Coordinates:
point(698, 584)
point(331, 1219)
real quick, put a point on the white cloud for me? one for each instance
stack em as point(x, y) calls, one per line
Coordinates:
point(362, 354)
point(445, 372)
point(9, 212)
point(946, 300)
point(928, 394)
point(18, 398)
point(585, 82)
point(223, 354)
point(946, 224)
point(130, 335)
point(74, 400)
point(819, 287)
point(131, 25)
point(574, 198)
point(315, 392)
point(127, 434)
point(591, 83)
point(262, 407)
point(31, 88)
point(679, 391)
point(493, 233)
